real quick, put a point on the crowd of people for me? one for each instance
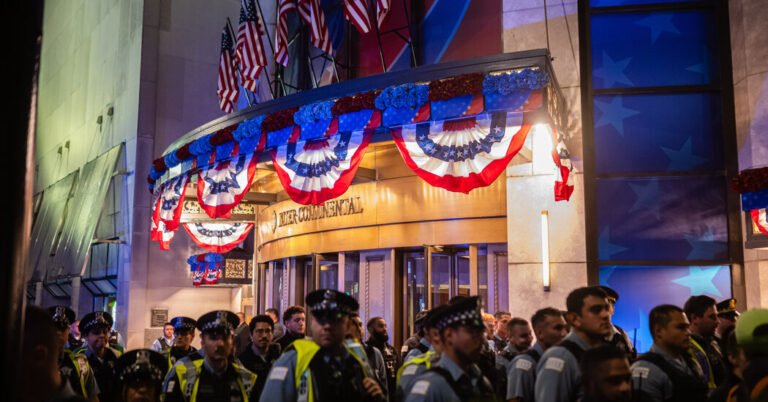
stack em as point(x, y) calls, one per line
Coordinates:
point(702, 351)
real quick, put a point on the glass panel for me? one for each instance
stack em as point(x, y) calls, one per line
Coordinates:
point(352, 275)
point(605, 3)
point(47, 225)
point(278, 267)
point(502, 279)
point(441, 279)
point(482, 278)
point(662, 219)
point(644, 287)
point(654, 49)
point(329, 274)
point(658, 133)
point(415, 284)
point(462, 273)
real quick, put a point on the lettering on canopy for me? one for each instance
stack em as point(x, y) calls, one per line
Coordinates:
point(330, 209)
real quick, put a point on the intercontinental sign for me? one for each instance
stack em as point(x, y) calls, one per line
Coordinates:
point(306, 213)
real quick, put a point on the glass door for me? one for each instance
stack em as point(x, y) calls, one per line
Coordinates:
point(415, 278)
point(450, 274)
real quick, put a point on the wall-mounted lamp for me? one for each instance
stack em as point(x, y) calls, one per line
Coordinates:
point(545, 279)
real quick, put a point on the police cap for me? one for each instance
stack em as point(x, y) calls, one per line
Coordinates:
point(464, 311)
point(62, 316)
point(94, 320)
point(141, 364)
point(220, 321)
point(727, 308)
point(613, 296)
point(331, 305)
point(183, 324)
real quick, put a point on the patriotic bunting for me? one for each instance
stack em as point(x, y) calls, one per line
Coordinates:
point(561, 157)
point(206, 268)
point(218, 237)
point(158, 232)
point(169, 204)
point(462, 155)
point(313, 172)
point(759, 218)
point(221, 187)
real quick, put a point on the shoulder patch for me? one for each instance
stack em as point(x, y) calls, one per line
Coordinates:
point(420, 387)
point(170, 386)
point(278, 373)
point(410, 369)
point(554, 363)
point(523, 364)
point(640, 372)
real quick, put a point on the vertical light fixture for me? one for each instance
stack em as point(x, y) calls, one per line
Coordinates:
point(545, 279)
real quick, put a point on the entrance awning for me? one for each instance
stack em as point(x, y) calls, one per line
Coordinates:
point(457, 126)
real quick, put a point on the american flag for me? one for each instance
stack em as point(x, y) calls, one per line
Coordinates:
point(313, 15)
point(249, 50)
point(382, 9)
point(281, 39)
point(356, 12)
point(228, 90)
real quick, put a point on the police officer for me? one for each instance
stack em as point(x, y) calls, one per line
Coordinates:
point(215, 376)
point(183, 334)
point(618, 337)
point(455, 376)
point(667, 372)
point(549, 326)
point(164, 342)
point(262, 352)
point(140, 375)
point(377, 328)
point(323, 369)
point(102, 358)
point(558, 376)
point(424, 344)
point(414, 340)
point(727, 315)
point(702, 313)
point(418, 365)
point(74, 367)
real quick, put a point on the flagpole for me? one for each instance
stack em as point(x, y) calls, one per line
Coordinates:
point(239, 67)
point(269, 41)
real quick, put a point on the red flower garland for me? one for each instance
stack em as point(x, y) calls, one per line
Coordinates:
point(355, 103)
point(183, 153)
point(466, 84)
point(278, 120)
point(223, 136)
point(751, 180)
point(159, 164)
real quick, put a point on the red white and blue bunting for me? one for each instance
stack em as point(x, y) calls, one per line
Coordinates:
point(461, 155)
point(206, 268)
point(221, 187)
point(170, 201)
point(158, 232)
point(218, 237)
point(760, 220)
point(313, 172)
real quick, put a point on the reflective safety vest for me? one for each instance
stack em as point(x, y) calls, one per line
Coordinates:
point(705, 364)
point(80, 363)
point(305, 352)
point(188, 372)
point(425, 359)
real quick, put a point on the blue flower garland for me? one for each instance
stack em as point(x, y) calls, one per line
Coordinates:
point(407, 95)
point(202, 146)
point(314, 112)
point(248, 129)
point(514, 81)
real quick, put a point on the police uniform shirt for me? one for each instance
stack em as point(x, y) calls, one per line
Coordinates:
point(211, 387)
point(620, 340)
point(424, 343)
point(433, 387)
point(521, 375)
point(80, 377)
point(412, 370)
point(409, 345)
point(651, 380)
point(104, 372)
point(281, 381)
point(558, 376)
point(161, 345)
point(174, 354)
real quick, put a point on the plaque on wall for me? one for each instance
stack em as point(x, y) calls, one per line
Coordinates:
point(159, 317)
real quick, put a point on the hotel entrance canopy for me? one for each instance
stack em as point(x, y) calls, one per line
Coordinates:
point(456, 125)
